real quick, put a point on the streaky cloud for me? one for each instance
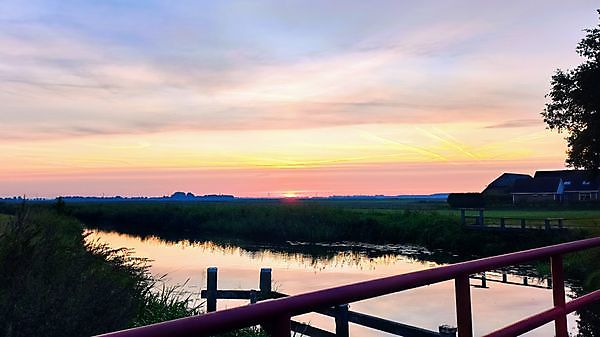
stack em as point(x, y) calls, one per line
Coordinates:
point(516, 123)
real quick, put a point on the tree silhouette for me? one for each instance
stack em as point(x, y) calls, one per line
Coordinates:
point(574, 105)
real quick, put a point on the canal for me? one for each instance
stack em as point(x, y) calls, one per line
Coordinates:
point(299, 267)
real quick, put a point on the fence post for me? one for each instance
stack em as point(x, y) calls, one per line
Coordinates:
point(265, 283)
point(560, 223)
point(253, 296)
point(341, 321)
point(504, 278)
point(462, 289)
point(523, 225)
point(481, 220)
point(502, 224)
point(547, 224)
point(462, 217)
point(211, 289)
point(558, 295)
point(447, 331)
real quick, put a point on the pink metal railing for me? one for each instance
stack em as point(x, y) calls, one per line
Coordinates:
point(275, 315)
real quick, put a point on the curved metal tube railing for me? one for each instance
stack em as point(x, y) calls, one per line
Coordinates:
point(274, 315)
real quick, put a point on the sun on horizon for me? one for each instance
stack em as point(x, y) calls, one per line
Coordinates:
point(224, 98)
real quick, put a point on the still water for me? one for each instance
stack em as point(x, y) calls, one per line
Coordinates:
point(296, 271)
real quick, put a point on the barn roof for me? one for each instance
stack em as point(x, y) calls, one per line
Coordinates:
point(508, 179)
point(573, 180)
point(537, 185)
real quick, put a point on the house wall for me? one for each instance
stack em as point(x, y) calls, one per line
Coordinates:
point(588, 196)
point(535, 198)
point(571, 196)
point(581, 196)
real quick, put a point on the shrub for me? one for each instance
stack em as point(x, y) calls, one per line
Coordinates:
point(466, 200)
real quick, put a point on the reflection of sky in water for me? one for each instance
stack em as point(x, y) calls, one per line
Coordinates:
point(293, 273)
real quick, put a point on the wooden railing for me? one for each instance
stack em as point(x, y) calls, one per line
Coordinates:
point(480, 221)
point(341, 313)
point(275, 315)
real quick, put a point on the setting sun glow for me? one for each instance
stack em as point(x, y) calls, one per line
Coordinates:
point(406, 103)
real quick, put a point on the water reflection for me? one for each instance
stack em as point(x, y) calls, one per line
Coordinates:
point(299, 267)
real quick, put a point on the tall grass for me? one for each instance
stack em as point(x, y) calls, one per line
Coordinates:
point(277, 223)
point(54, 283)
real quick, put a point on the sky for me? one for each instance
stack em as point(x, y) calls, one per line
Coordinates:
point(272, 98)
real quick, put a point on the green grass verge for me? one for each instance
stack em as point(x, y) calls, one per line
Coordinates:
point(55, 283)
point(4, 218)
point(588, 218)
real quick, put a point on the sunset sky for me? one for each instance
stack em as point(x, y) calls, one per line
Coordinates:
point(269, 98)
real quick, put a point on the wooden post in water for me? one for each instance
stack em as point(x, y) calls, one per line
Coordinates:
point(560, 223)
point(341, 321)
point(504, 277)
point(502, 223)
point(481, 220)
point(265, 283)
point(547, 224)
point(211, 289)
point(483, 280)
point(463, 220)
point(523, 224)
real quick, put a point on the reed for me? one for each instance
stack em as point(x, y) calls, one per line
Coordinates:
point(56, 283)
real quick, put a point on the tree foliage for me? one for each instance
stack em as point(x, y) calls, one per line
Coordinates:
point(574, 105)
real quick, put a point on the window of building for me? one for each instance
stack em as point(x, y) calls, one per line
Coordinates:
point(585, 182)
point(583, 196)
point(567, 182)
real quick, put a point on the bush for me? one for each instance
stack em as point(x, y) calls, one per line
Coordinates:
point(466, 200)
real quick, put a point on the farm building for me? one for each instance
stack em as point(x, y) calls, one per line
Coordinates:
point(557, 186)
point(578, 185)
point(545, 186)
point(538, 190)
point(504, 184)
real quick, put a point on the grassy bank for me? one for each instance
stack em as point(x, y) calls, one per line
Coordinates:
point(4, 218)
point(301, 222)
point(57, 260)
point(276, 223)
point(54, 283)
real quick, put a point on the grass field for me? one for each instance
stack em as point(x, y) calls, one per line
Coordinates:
point(573, 218)
point(4, 218)
point(576, 216)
